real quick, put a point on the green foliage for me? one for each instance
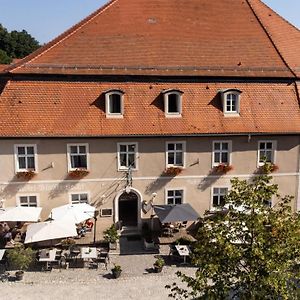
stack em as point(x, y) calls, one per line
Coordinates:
point(20, 257)
point(111, 234)
point(250, 252)
point(159, 263)
point(117, 268)
point(15, 44)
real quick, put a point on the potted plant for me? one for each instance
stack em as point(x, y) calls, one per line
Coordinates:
point(268, 167)
point(20, 258)
point(116, 271)
point(78, 173)
point(223, 168)
point(26, 175)
point(111, 236)
point(173, 171)
point(158, 265)
point(147, 235)
point(66, 243)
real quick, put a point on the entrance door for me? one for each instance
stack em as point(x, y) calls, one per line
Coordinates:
point(128, 209)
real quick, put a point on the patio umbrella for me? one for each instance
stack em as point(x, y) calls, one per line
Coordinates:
point(52, 230)
point(175, 213)
point(75, 213)
point(20, 214)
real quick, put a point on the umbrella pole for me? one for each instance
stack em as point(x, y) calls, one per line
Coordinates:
point(95, 226)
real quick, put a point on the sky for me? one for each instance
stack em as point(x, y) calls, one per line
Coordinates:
point(46, 19)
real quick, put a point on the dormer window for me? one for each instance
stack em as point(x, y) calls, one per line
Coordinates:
point(114, 106)
point(231, 102)
point(173, 103)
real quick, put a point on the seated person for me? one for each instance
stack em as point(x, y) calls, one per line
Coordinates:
point(89, 224)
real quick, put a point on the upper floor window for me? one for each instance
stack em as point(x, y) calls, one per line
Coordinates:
point(25, 157)
point(231, 101)
point(175, 154)
point(79, 198)
point(114, 103)
point(78, 156)
point(266, 152)
point(127, 156)
point(173, 103)
point(28, 201)
point(174, 197)
point(221, 152)
point(218, 198)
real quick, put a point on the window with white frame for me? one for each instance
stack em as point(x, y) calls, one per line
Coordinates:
point(25, 157)
point(175, 154)
point(231, 101)
point(114, 103)
point(221, 152)
point(174, 197)
point(266, 150)
point(28, 201)
point(78, 156)
point(79, 198)
point(219, 194)
point(127, 156)
point(173, 103)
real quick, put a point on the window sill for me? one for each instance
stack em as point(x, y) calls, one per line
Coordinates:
point(173, 115)
point(231, 114)
point(114, 116)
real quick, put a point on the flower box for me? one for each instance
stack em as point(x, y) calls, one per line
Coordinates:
point(268, 168)
point(173, 171)
point(223, 168)
point(78, 173)
point(26, 175)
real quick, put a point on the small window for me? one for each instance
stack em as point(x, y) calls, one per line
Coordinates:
point(106, 212)
point(219, 194)
point(127, 156)
point(267, 203)
point(28, 201)
point(175, 154)
point(25, 157)
point(173, 103)
point(221, 152)
point(78, 156)
point(231, 101)
point(79, 198)
point(266, 152)
point(174, 197)
point(114, 103)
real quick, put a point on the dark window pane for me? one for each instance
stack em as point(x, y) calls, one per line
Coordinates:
point(21, 150)
point(82, 161)
point(262, 146)
point(131, 161)
point(30, 150)
point(269, 146)
point(224, 157)
point(217, 157)
point(171, 158)
point(178, 146)
point(178, 201)
point(173, 103)
point(170, 193)
point(131, 148)
point(22, 163)
point(82, 149)
point(178, 193)
point(217, 146)
point(215, 200)
point(225, 146)
point(171, 146)
point(123, 160)
point(115, 104)
point(73, 149)
point(30, 162)
point(179, 158)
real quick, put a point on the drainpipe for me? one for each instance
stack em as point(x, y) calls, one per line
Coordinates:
point(297, 196)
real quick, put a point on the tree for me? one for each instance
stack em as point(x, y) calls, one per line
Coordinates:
point(249, 252)
point(15, 44)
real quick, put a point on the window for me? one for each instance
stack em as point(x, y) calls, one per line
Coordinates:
point(28, 201)
point(25, 157)
point(114, 103)
point(78, 156)
point(127, 156)
point(106, 212)
point(175, 154)
point(172, 103)
point(231, 101)
point(218, 196)
point(79, 198)
point(174, 197)
point(268, 203)
point(266, 152)
point(221, 152)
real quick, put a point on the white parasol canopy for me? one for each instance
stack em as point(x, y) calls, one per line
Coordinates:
point(20, 214)
point(51, 230)
point(75, 213)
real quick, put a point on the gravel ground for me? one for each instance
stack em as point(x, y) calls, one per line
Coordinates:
point(136, 282)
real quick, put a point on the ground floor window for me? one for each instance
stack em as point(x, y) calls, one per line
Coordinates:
point(174, 197)
point(28, 201)
point(79, 198)
point(218, 196)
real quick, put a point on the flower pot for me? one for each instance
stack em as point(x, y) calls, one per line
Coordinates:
point(116, 273)
point(19, 275)
point(157, 269)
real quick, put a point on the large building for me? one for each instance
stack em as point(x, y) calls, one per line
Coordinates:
point(152, 100)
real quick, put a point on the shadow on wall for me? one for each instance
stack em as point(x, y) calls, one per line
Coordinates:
point(158, 183)
point(13, 187)
point(209, 180)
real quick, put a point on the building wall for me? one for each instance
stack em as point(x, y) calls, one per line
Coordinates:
point(104, 181)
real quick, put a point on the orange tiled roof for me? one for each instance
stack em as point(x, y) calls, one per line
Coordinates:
point(3, 67)
point(57, 108)
point(163, 37)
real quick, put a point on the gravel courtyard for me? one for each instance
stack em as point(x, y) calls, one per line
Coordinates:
point(136, 282)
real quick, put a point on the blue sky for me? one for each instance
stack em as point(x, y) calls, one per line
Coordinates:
point(45, 19)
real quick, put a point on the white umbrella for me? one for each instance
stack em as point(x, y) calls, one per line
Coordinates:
point(51, 230)
point(76, 213)
point(20, 214)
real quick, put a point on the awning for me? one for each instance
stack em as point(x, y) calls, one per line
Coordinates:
point(75, 213)
point(44, 231)
point(175, 213)
point(20, 214)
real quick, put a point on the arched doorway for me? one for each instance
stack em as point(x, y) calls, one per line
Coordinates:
point(128, 209)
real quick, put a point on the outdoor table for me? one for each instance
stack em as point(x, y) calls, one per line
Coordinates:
point(183, 250)
point(88, 252)
point(47, 256)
